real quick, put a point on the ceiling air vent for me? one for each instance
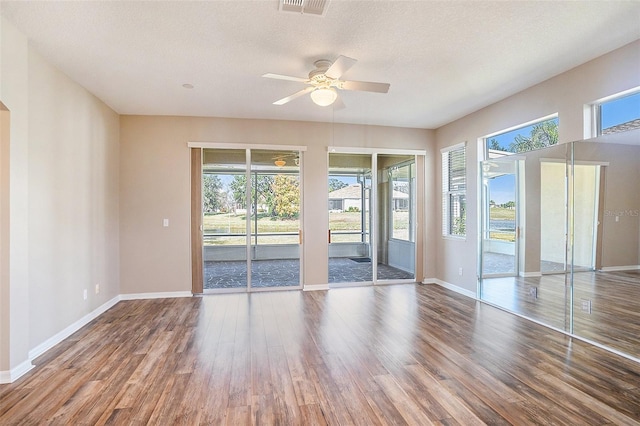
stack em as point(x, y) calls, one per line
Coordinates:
point(307, 7)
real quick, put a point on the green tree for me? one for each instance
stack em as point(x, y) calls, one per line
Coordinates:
point(262, 188)
point(238, 186)
point(212, 198)
point(542, 135)
point(494, 144)
point(263, 191)
point(286, 190)
point(335, 184)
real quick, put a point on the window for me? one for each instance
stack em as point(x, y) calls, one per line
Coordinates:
point(454, 186)
point(402, 187)
point(525, 138)
point(619, 114)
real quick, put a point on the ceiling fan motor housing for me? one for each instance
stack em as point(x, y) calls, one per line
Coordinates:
point(318, 76)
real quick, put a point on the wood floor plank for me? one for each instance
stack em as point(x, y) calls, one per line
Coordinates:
point(404, 354)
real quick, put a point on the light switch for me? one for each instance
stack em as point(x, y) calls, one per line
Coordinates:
point(165, 222)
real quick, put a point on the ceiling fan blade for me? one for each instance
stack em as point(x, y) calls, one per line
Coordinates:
point(340, 66)
point(365, 86)
point(286, 77)
point(295, 95)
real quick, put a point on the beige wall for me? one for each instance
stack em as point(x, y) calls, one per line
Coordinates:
point(73, 201)
point(14, 319)
point(62, 201)
point(621, 198)
point(155, 185)
point(565, 94)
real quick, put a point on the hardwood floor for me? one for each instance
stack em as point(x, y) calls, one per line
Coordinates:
point(614, 319)
point(404, 354)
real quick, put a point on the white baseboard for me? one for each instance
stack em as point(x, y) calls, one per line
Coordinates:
point(161, 295)
point(11, 376)
point(14, 374)
point(530, 274)
point(316, 287)
point(68, 331)
point(450, 286)
point(620, 268)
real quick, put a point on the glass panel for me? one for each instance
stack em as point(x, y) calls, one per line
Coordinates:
point(620, 115)
point(553, 217)
point(580, 242)
point(527, 138)
point(583, 219)
point(349, 218)
point(516, 244)
point(224, 222)
point(402, 184)
point(499, 245)
point(275, 219)
point(395, 214)
point(606, 302)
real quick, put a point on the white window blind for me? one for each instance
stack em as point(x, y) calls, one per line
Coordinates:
point(454, 186)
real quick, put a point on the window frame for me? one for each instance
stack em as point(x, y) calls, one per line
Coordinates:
point(447, 192)
point(597, 109)
point(485, 140)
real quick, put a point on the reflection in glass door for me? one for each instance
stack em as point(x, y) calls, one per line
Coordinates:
point(251, 219)
point(553, 217)
point(583, 219)
point(522, 288)
point(500, 217)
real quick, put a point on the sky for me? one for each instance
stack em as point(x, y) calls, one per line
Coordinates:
point(621, 110)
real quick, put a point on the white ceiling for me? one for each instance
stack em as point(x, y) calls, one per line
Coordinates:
point(443, 59)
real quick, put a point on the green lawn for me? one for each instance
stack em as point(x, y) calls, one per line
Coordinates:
point(229, 223)
point(500, 213)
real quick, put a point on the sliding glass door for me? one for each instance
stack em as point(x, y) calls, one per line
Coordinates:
point(372, 217)
point(350, 218)
point(224, 224)
point(396, 217)
point(275, 219)
point(251, 219)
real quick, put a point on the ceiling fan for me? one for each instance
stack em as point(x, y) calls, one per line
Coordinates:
point(324, 80)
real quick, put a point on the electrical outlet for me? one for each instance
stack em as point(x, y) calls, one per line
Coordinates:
point(586, 305)
point(97, 288)
point(165, 222)
point(533, 292)
point(460, 271)
point(84, 294)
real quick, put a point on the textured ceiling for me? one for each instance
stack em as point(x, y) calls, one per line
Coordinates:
point(443, 59)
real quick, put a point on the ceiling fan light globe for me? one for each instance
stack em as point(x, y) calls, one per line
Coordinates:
point(324, 96)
